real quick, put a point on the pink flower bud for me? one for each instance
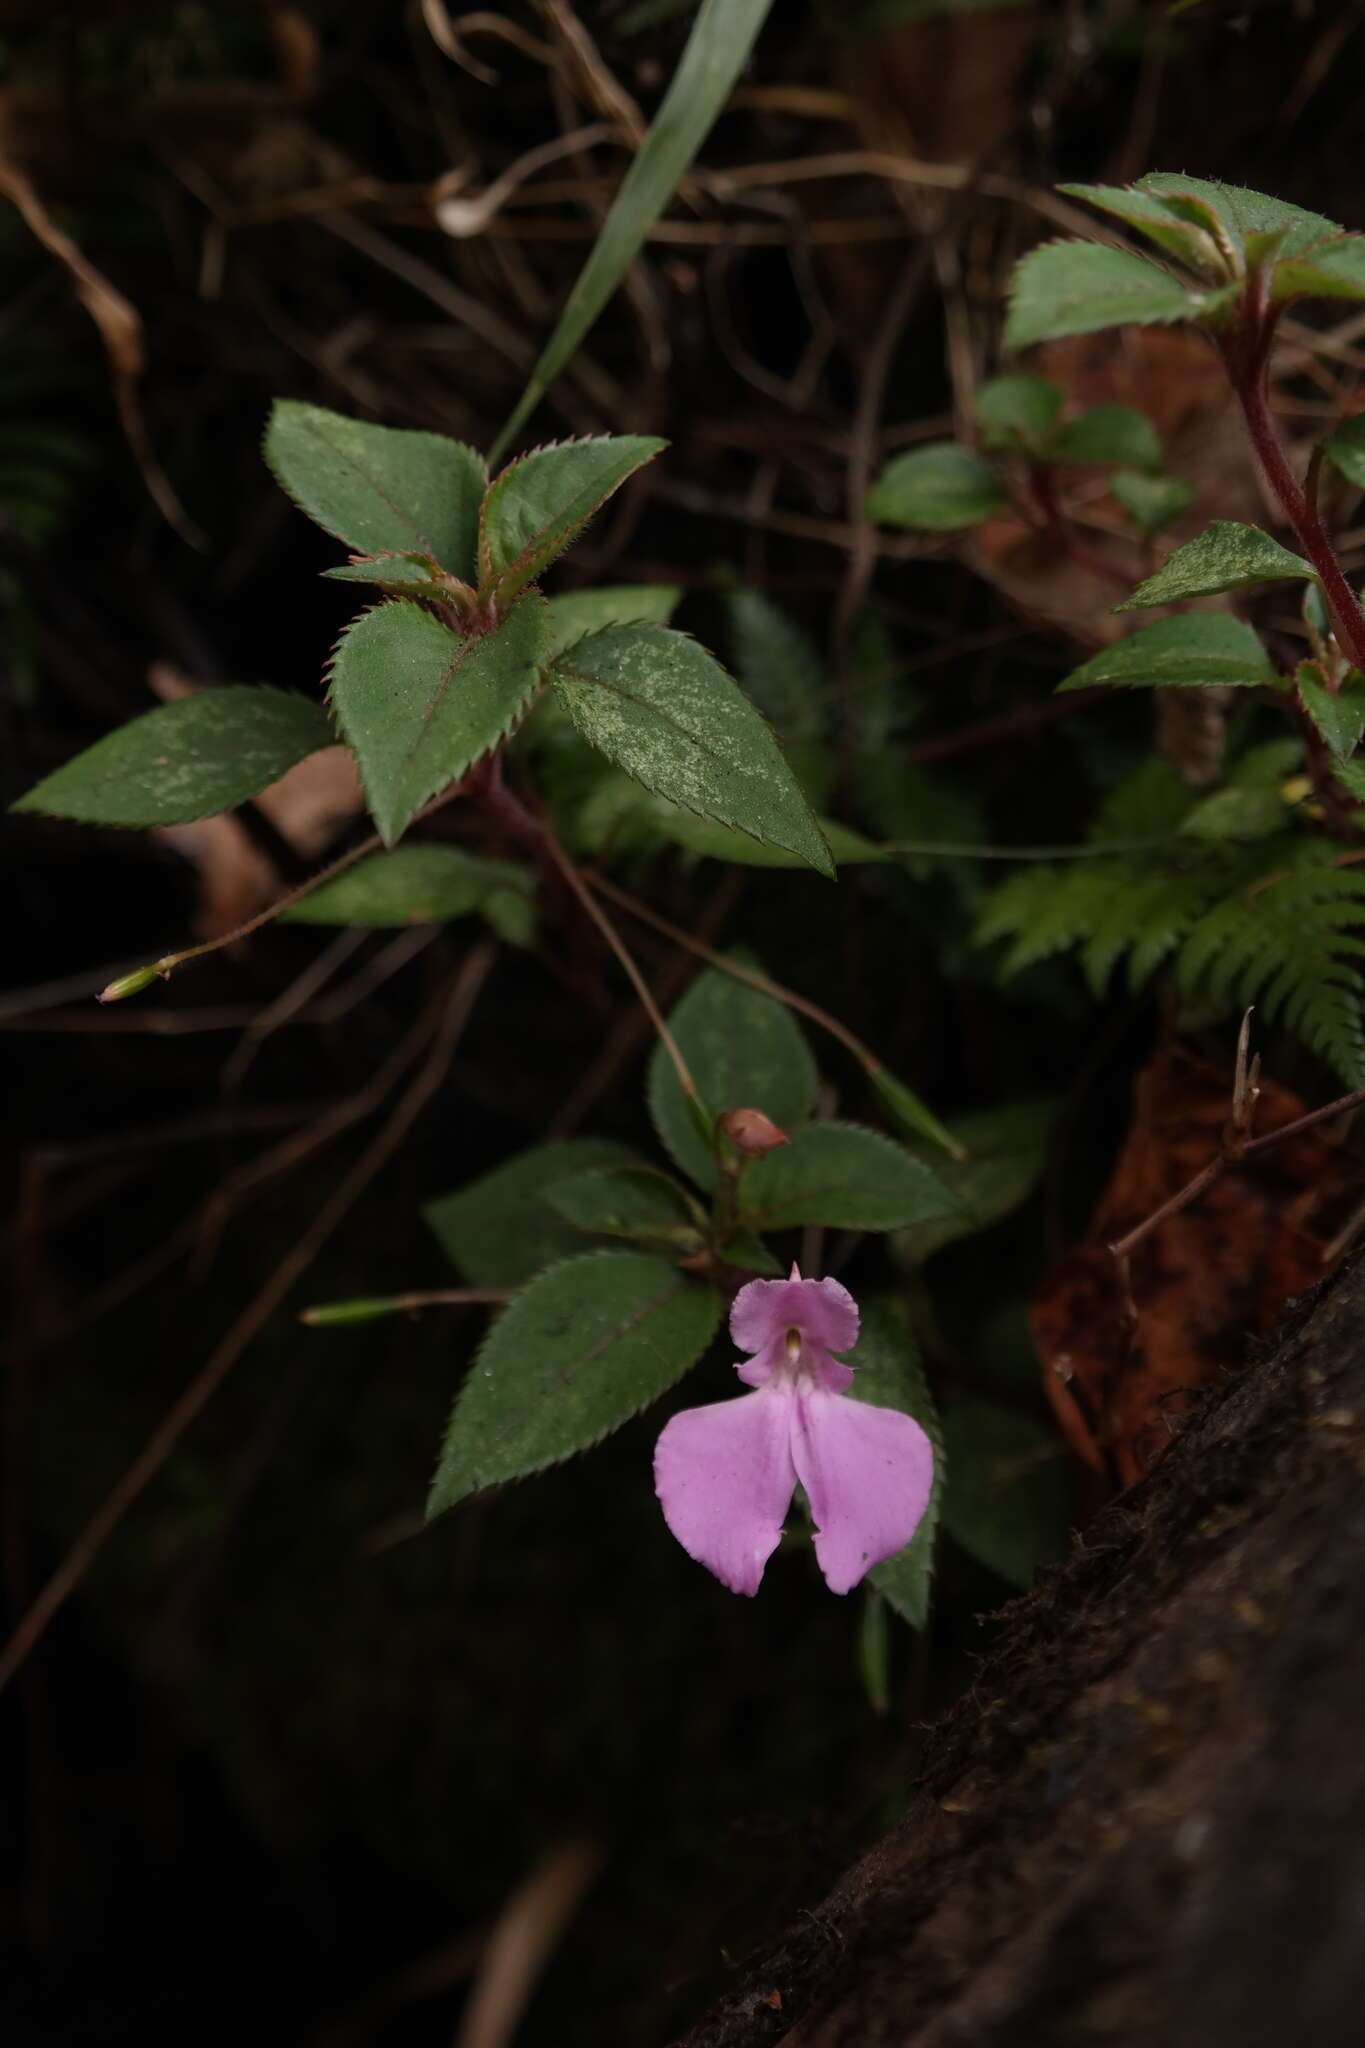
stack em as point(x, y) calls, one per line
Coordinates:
point(751, 1131)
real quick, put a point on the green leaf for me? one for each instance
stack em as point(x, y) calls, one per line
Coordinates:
point(1007, 1497)
point(1247, 813)
point(1331, 270)
point(1077, 287)
point(420, 704)
point(888, 1374)
point(936, 489)
point(425, 885)
point(745, 1051)
point(185, 760)
point(1243, 213)
point(1151, 502)
point(842, 1175)
point(1190, 242)
point(543, 501)
point(1346, 450)
point(383, 490)
point(1110, 433)
point(777, 663)
point(627, 1201)
point(1018, 411)
point(906, 1109)
point(717, 50)
point(400, 575)
point(577, 1353)
point(660, 707)
point(1193, 651)
point(499, 1230)
point(709, 840)
point(1006, 1151)
point(575, 613)
point(751, 1255)
point(1339, 716)
point(1225, 556)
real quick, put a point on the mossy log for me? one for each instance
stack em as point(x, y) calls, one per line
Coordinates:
point(1145, 1826)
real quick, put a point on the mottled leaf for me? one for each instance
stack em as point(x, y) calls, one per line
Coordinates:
point(383, 490)
point(542, 502)
point(186, 760)
point(660, 707)
point(1225, 556)
point(575, 613)
point(420, 704)
point(1194, 650)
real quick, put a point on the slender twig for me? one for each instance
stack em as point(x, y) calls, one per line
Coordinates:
point(618, 946)
point(365, 1308)
point(164, 1438)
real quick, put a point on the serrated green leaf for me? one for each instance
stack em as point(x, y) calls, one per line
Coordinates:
point(577, 1353)
point(425, 885)
point(744, 1050)
point(1006, 1150)
point(1018, 411)
point(498, 1231)
point(716, 51)
point(1007, 1499)
point(1225, 556)
point(1110, 433)
point(660, 707)
point(888, 1374)
point(1190, 242)
point(1151, 502)
point(1242, 212)
point(185, 760)
point(1078, 287)
point(420, 704)
point(1338, 715)
point(935, 490)
point(842, 1175)
point(627, 1201)
point(1345, 448)
point(1193, 651)
point(777, 663)
point(383, 490)
point(710, 840)
point(575, 613)
point(542, 502)
point(1331, 270)
point(400, 575)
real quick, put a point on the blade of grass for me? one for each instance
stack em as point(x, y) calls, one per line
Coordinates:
point(717, 49)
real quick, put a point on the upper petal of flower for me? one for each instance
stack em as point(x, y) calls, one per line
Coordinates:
point(867, 1473)
point(724, 1476)
point(821, 1310)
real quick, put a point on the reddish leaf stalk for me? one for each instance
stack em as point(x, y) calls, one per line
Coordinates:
point(1246, 353)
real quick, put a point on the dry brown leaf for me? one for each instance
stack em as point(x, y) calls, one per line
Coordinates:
point(1204, 1281)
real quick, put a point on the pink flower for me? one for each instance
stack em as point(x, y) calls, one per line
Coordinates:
point(725, 1474)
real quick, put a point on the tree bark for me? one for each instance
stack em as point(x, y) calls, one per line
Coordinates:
point(1146, 1823)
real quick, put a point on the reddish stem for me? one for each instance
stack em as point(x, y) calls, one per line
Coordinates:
point(1246, 352)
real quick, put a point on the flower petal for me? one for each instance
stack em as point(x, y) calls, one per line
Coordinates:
point(725, 1478)
point(867, 1473)
point(821, 1309)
